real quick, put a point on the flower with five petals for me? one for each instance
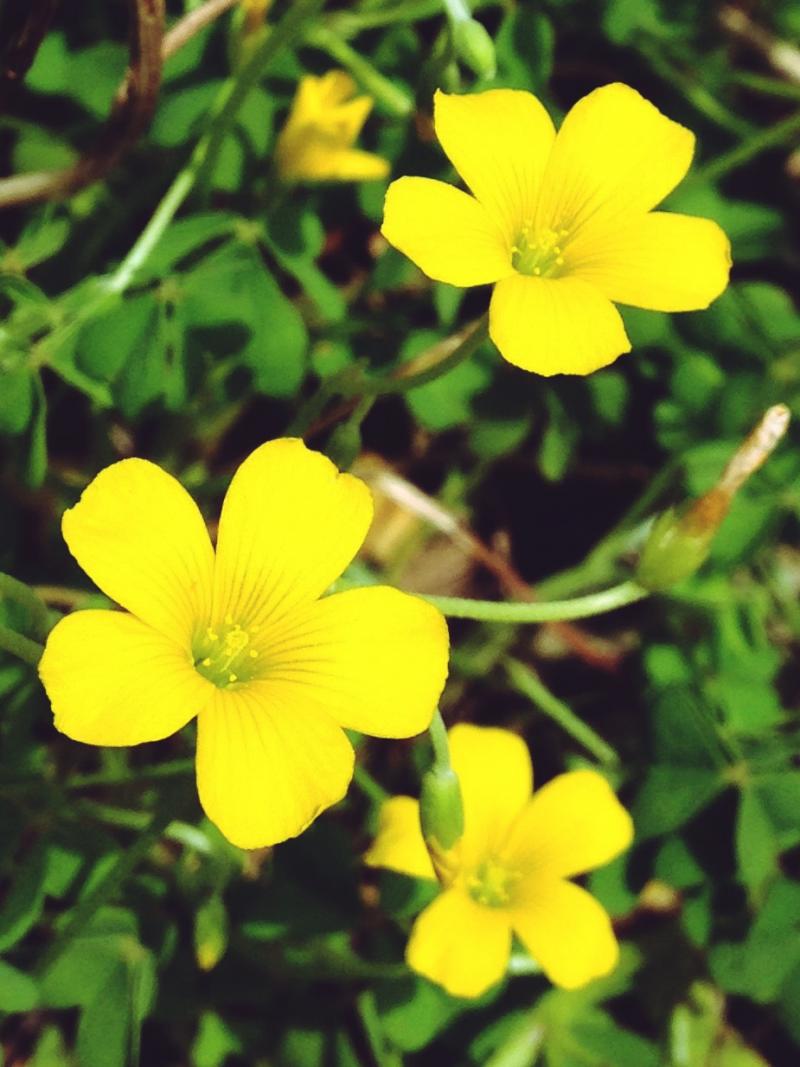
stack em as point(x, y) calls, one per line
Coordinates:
point(241, 638)
point(509, 872)
point(561, 223)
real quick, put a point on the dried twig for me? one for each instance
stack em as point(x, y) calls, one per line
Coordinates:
point(133, 107)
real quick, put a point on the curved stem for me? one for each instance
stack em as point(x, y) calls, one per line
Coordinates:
point(581, 607)
point(21, 647)
point(402, 382)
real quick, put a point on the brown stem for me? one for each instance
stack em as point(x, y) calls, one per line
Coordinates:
point(131, 112)
point(586, 647)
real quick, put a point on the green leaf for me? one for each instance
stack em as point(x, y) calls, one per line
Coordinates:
point(18, 991)
point(757, 846)
point(25, 899)
point(670, 796)
point(233, 289)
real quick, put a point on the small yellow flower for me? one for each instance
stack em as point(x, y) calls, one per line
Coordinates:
point(510, 869)
point(561, 223)
point(316, 144)
point(240, 638)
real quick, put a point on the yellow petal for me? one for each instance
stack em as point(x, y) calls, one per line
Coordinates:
point(112, 680)
point(334, 88)
point(375, 659)
point(353, 165)
point(267, 765)
point(448, 234)
point(460, 945)
point(140, 537)
point(566, 931)
point(399, 845)
point(290, 525)
point(494, 769)
point(615, 155)
point(499, 142)
point(555, 325)
point(660, 261)
point(573, 824)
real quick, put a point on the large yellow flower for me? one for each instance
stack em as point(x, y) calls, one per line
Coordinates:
point(241, 638)
point(561, 223)
point(509, 872)
point(316, 144)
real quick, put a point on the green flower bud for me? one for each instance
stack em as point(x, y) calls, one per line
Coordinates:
point(441, 810)
point(677, 546)
point(475, 47)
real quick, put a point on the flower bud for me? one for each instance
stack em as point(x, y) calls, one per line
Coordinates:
point(441, 814)
point(475, 47)
point(676, 547)
point(680, 541)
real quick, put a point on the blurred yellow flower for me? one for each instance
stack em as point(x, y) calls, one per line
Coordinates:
point(240, 638)
point(561, 223)
point(508, 874)
point(316, 144)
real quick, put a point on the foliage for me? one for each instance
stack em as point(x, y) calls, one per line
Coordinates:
point(186, 309)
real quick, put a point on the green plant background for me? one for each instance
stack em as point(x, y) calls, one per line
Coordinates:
point(123, 938)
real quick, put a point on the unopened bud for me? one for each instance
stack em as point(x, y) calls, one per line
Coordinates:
point(474, 46)
point(441, 814)
point(680, 541)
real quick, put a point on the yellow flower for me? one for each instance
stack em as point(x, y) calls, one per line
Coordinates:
point(316, 144)
point(561, 223)
point(240, 638)
point(510, 869)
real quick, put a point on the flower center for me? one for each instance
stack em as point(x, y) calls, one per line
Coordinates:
point(492, 884)
point(538, 252)
point(223, 654)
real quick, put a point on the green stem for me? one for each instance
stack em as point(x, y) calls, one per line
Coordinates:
point(394, 99)
point(743, 153)
point(403, 383)
point(126, 862)
point(371, 789)
point(224, 111)
point(441, 748)
point(582, 607)
point(22, 594)
point(21, 647)
point(530, 685)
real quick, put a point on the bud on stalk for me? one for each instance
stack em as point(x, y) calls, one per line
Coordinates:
point(680, 541)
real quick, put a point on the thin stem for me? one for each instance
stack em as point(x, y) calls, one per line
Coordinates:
point(21, 647)
point(371, 788)
point(441, 747)
point(395, 100)
point(530, 685)
point(582, 607)
point(743, 153)
point(191, 24)
point(22, 594)
point(402, 381)
point(224, 111)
